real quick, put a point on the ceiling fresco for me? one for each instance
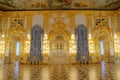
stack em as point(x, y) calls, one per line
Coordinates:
point(59, 4)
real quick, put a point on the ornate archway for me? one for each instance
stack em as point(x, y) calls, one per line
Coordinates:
point(59, 45)
point(103, 45)
point(15, 35)
point(58, 49)
point(103, 34)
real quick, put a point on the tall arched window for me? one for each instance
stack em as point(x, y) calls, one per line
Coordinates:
point(17, 48)
point(101, 48)
point(82, 43)
point(36, 47)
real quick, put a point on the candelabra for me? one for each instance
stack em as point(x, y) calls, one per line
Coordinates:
point(2, 47)
point(116, 45)
point(72, 44)
point(91, 45)
point(27, 45)
point(72, 48)
point(45, 44)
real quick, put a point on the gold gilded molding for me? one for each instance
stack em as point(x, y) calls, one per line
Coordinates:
point(59, 25)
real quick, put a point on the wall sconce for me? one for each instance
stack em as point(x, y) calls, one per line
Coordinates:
point(45, 44)
point(91, 44)
point(116, 44)
point(28, 36)
point(3, 36)
point(27, 44)
point(72, 43)
point(2, 48)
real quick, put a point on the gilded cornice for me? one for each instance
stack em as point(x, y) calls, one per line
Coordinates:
point(59, 11)
point(118, 12)
point(3, 13)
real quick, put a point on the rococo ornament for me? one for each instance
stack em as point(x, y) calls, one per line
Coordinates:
point(61, 3)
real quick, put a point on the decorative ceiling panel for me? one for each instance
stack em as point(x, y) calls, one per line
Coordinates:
point(59, 4)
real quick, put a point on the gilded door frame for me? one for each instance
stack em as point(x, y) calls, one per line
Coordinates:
point(102, 31)
point(17, 32)
point(107, 41)
point(66, 36)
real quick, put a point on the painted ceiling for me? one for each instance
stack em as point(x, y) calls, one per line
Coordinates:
point(59, 4)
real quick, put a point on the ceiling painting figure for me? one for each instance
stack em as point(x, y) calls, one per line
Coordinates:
point(59, 4)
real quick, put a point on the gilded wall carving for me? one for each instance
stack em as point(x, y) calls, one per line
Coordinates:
point(99, 24)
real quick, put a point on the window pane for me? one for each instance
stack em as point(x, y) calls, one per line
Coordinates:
point(17, 48)
point(101, 48)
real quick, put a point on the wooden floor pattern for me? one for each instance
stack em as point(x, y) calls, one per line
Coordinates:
point(103, 71)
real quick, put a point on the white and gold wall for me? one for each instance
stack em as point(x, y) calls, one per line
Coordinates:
point(102, 26)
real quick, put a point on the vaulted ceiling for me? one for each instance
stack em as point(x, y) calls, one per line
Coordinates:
point(7, 5)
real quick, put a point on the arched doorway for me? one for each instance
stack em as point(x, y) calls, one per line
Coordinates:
point(15, 44)
point(104, 48)
point(14, 48)
point(58, 49)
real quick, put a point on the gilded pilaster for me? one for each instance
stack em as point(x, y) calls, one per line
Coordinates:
point(113, 23)
point(4, 24)
point(4, 34)
point(72, 42)
point(45, 42)
point(46, 18)
point(72, 22)
point(29, 23)
point(27, 36)
point(1, 25)
point(89, 23)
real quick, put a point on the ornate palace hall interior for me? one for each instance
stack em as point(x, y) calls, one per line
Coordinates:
point(59, 39)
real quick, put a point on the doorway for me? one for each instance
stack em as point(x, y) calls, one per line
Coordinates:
point(58, 49)
point(14, 49)
point(104, 49)
point(102, 53)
